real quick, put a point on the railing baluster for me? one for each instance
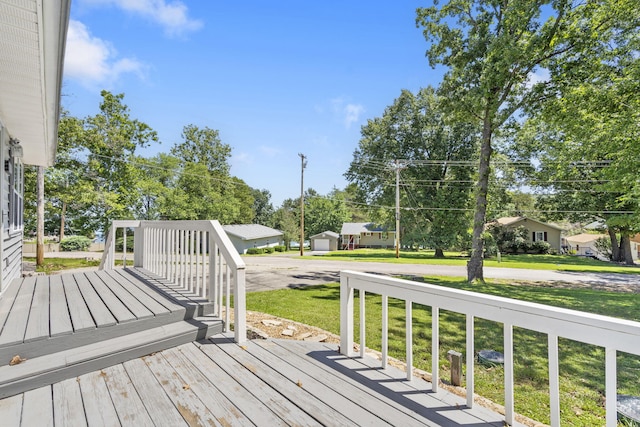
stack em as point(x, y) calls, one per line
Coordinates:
point(363, 334)
point(554, 380)
point(611, 386)
point(435, 348)
point(227, 310)
point(385, 331)
point(220, 283)
point(409, 339)
point(508, 374)
point(470, 361)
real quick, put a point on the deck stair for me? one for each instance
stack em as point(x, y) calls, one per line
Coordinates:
point(63, 326)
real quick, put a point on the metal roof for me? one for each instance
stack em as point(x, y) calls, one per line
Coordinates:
point(32, 41)
point(326, 233)
point(351, 228)
point(251, 231)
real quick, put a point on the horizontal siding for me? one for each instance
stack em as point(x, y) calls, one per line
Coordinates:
point(12, 257)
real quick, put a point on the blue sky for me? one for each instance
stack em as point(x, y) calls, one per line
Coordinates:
point(276, 78)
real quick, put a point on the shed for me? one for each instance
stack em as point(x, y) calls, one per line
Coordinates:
point(245, 236)
point(326, 241)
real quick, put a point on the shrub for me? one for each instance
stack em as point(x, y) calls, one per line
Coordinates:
point(541, 247)
point(120, 241)
point(255, 251)
point(280, 248)
point(75, 243)
point(269, 250)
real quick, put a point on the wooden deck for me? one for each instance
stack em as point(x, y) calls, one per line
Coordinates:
point(263, 383)
point(123, 347)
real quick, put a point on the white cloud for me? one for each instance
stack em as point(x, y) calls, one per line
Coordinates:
point(538, 76)
point(93, 61)
point(242, 158)
point(171, 15)
point(348, 113)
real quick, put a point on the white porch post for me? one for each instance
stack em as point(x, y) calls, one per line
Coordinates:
point(346, 317)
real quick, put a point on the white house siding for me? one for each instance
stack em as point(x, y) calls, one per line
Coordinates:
point(11, 244)
point(242, 245)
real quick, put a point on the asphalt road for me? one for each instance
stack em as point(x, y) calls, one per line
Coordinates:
point(276, 272)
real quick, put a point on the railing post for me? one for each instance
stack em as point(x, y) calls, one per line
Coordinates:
point(435, 349)
point(346, 316)
point(385, 331)
point(363, 331)
point(239, 306)
point(409, 338)
point(470, 361)
point(138, 246)
point(554, 380)
point(112, 246)
point(508, 374)
point(611, 387)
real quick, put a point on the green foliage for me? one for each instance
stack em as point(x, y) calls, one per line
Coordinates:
point(119, 247)
point(603, 245)
point(512, 240)
point(280, 248)
point(269, 250)
point(432, 150)
point(255, 251)
point(75, 243)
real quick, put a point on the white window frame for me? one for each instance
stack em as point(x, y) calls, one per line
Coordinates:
point(16, 193)
point(540, 236)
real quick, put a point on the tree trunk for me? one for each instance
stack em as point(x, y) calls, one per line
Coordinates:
point(625, 250)
point(63, 215)
point(475, 264)
point(439, 253)
point(40, 217)
point(615, 249)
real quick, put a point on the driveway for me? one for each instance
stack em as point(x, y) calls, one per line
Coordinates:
point(277, 272)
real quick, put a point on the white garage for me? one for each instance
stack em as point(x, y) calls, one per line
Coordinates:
point(324, 242)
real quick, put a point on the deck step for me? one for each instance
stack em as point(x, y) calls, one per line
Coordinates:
point(70, 363)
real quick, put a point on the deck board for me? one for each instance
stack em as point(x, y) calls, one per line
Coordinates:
point(289, 389)
point(158, 405)
point(98, 406)
point(38, 323)
point(101, 314)
point(252, 385)
point(187, 402)
point(60, 321)
point(67, 401)
point(209, 382)
point(37, 408)
point(11, 410)
point(16, 324)
point(81, 318)
point(154, 294)
point(130, 301)
point(117, 308)
point(147, 300)
point(127, 402)
point(7, 300)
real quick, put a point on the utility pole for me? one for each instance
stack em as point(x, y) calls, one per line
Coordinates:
point(397, 167)
point(303, 165)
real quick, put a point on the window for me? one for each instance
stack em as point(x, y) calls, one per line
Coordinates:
point(539, 236)
point(16, 191)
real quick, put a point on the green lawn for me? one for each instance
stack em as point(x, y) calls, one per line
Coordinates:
point(581, 365)
point(534, 262)
point(52, 265)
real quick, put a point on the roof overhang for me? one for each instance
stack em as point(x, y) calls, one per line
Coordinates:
point(32, 44)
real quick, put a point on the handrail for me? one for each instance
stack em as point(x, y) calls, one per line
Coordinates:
point(197, 255)
point(611, 333)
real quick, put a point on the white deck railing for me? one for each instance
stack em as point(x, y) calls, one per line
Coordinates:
point(197, 255)
point(610, 333)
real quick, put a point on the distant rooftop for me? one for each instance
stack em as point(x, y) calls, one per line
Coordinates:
point(251, 231)
point(362, 227)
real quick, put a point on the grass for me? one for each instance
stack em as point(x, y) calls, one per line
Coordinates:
point(534, 262)
point(52, 265)
point(581, 365)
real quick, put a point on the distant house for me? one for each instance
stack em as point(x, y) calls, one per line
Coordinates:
point(245, 236)
point(585, 244)
point(327, 241)
point(356, 235)
point(538, 231)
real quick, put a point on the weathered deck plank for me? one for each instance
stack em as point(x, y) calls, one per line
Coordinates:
point(38, 323)
point(217, 391)
point(37, 408)
point(67, 401)
point(11, 410)
point(60, 321)
point(7, 300)
point(98, 406)
point(187, 402)
point(213, 360)
point(128, 405)
point(278, 376)
point(159, 407)
point(81, 319)
point(16, 323)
